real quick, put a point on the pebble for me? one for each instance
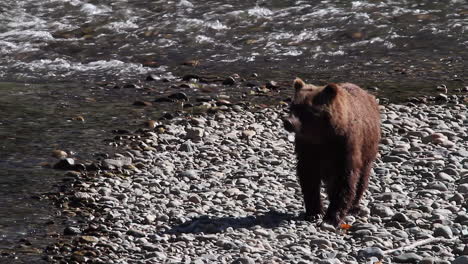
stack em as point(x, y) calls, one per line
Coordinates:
point(443, 231)
point(59, 154)
point(243, 260)
point(195, 133)
point(136, 233)
point(461, 260)
point(178, 96)
point(371, 252)
point(70, 230)
point(408, 258)
point(321, 243)
point(382, 211)
point(116, 163)
point(229, 81)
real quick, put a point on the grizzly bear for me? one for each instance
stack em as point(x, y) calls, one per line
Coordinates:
point(337, 132)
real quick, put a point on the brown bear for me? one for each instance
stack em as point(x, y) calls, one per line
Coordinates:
point(337, 132)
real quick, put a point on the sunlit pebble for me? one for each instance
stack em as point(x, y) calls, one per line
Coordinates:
point(357, 35)
point(79, 118)
point(151, 124)
point(191, 63)
point(223, 102)
point(59, 154)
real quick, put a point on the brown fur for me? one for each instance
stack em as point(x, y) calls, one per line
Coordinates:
point(337, 134)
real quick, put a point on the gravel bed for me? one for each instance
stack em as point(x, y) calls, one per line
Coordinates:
point(221, 188)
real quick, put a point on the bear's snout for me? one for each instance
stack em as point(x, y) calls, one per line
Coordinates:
point(289, 124)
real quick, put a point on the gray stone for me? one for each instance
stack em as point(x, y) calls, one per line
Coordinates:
point(136, 233)
point(461, 260)
point(116, 163)
point(400, 217)
point(393, 159)
point(248, 133)
point(195, 133)
point(442, 176)
point(370, 252)
point(463, 188)
point(243, 260)
point(191, 174)
point(443, 231)
point(381, 210)
point(437, 186)
point(186, 146)
point(408, 258)
point(320, 242)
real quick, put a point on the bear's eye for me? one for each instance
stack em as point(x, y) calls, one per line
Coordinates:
point(305, 111)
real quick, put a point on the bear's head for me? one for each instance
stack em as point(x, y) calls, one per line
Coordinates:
point(311, 111)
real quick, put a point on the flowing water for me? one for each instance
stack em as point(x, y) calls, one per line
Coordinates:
point(60, 59)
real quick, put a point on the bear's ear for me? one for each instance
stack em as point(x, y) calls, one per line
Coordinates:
point(298, 84)
point(328, 93)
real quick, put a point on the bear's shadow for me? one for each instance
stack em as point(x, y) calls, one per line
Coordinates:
point(211, 225)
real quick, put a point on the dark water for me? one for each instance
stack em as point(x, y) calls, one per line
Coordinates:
point(61, 59)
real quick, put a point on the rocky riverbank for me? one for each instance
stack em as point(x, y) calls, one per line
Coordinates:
point(221, 188)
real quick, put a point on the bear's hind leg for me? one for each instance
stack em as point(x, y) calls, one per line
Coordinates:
point(361, 187)
point(341, 195)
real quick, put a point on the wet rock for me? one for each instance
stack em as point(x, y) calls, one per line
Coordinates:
point(151, 124)
point(70, 230)
point(65, 164)
point(152, 77)
point(59, 154)
point(271, 85)
point(222, 102)
point(442, 97)
point(131, 86)
point(142, 103)
point(229, 81)
point(163, 100)
point(178, 96)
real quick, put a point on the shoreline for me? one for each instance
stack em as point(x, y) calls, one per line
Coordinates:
point(221, 187)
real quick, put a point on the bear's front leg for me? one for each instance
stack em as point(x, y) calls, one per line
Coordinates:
point(310, 187)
